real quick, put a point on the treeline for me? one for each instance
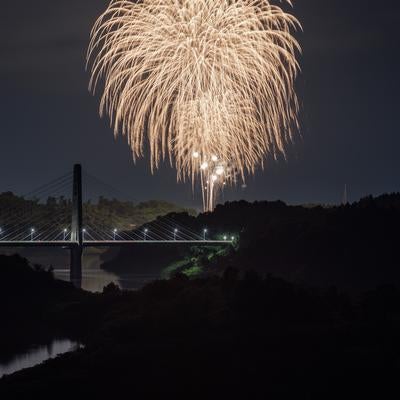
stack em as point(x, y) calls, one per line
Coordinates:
point(354, 245)
point(123, 215)
point(28, 293)
point(237, 334)
point(126, 215)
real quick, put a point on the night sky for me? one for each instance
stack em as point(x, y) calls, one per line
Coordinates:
point(349, 91)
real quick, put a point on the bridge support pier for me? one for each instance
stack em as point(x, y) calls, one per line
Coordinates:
point(75, 272)
point(76, 228)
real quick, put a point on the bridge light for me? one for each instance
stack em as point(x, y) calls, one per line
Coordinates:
point(233, 238)
point(175, 233)
point(225, 237)
point(204, 234)
point(32, 232)
point(145, 233)
point(65, 234)
point(115, 233)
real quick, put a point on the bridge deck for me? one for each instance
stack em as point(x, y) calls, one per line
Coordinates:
point(111, 243)
point(35, 243)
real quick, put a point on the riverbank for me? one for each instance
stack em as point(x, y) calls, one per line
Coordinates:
point(304, 305)
point(30, 300)
point(227, 335)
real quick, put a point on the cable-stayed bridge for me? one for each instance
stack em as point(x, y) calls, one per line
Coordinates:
point(54, 215)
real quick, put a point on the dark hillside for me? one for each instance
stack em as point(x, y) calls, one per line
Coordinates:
point(353, 246)
point(226, 337)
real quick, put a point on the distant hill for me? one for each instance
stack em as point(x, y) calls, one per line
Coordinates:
point(354, 246)
point(123, 215)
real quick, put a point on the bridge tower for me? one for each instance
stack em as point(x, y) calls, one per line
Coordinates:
point(76, 228)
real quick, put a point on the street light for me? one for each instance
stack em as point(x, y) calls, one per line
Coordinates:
point(225, 237)
point(175, 232)
point(65, 235)
point(32, 233)
point(83, 233)
point(145, 233)
point(204, 234)
point(115, 233)
point(233, 238)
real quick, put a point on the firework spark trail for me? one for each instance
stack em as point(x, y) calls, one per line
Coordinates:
point(209, 83)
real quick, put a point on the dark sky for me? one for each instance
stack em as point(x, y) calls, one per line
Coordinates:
point(349, 90)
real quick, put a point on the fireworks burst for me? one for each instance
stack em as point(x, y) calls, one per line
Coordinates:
point(209, 83)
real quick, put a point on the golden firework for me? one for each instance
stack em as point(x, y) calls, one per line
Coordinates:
point(209, 83)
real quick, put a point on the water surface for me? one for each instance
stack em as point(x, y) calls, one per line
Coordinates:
point(37, 355)
point(94, 279)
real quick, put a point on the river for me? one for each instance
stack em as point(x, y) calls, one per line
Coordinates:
point(93, 277)
point(37, 355)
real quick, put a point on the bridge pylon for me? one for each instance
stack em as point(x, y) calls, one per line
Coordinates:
point(76, 228)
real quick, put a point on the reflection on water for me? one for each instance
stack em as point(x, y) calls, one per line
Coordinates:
point(93, 277)
point(94, 280)
point(37, 356)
